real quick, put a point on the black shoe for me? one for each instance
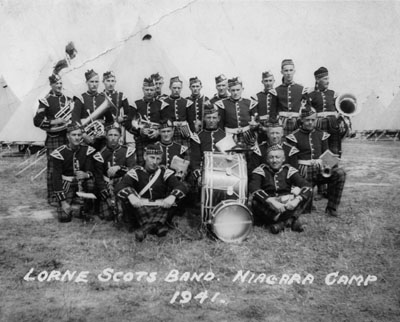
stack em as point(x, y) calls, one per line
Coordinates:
point(63, 217)
point(277, 228)
point(298, 225)
point(140, 235)
point(331, 212)
point(289, 222)
point(162, 231)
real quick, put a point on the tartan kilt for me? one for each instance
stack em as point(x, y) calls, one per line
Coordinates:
point(310, 173)
point(289, 124)
point(104, 210)
point(147, 215)
point(54, 142)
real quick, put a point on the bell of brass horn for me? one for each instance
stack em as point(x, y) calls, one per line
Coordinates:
point(98, 112)
point(346, 104)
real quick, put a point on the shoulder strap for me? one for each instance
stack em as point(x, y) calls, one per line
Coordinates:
point(151, 182)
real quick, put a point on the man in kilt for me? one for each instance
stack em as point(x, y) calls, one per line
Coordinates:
point(45, 118)
point(290, 98)
point(74, 171)
point(273, 199)
point(153, 182)
point(176, 111)
point(311, 143)
point(116, 161)
point(146, 119)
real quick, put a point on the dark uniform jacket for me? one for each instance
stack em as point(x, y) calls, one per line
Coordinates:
point(195, 111)
point(170, 150)
point(122, 155)
point(66, 161)
point(137, 178)
point(266, 105)
point(48, 108)
point(265, 182)
point(236, 113)
point(310, 144)
point(290, 97)
point(122, 106)
point(217, 98)
point(324, 101)
point(89, 102)
point(175, 109)
point(149, 110)
point(208, 139)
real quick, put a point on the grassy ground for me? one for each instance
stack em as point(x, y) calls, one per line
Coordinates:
point(364, 240)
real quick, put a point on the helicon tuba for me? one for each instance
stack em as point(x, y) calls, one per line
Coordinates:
point(346, 104)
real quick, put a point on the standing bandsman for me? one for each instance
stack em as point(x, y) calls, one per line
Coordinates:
point(221, 83)
point(74, 170)
point(87, 103)
point(291, 97)
point(322, 100)
point(117, 159)
point(47, 118)
point(153, 183)
point(311, 143)
point(121, 110)
point(266, 107)
point(271, 186)
point(237, 113)
point(148, 109)
point(176, 111)
point(158, 82)
point(195, 113)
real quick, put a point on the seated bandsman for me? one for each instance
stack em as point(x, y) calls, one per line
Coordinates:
point(274, 199)
point(312, 143)
point(237, 113)
point(150, 183)
point(208, 138)
point(195, 113)
point(176, 111)
point(290, 98)
point(168, 146)
point(48, 118)
point(117, 159)
point(121, 110)
point(86, 104)
point(148, 111)
point(158, 82)
point(74, 170)
point(323, 100)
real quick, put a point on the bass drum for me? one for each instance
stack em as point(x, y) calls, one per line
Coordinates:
point(231, 221)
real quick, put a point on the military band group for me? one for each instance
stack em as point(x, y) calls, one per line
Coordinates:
point(282, 132)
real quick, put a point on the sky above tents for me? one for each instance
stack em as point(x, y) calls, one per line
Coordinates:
point(359, 42)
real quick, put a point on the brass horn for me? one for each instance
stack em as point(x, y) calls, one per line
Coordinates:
point(98, 112)
point(346, 104)
point(64, 113)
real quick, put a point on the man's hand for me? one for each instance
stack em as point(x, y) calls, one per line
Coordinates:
point(135, 201)
point(112, 171)
point(82, 175)
point(66, 207)
point(153, 133)
point(276, 205)
point(168, 202)
point(87, 139)
point(292, 204)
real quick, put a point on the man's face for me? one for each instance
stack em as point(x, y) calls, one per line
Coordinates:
point(323, 82)
point(211, 121)
point(74, 137)
point(195, 88)
point(236, 91)
point(113, 137)
point(57, 87)
point(176, 89)
point(288, 73)
point(275, 159)
point(275, 135)
point(149, 92)
point(309, 122)
point(109, 84)
point(93, 84)
point(166, 134)
point(268, 82)
point(152, 161)
point(159, 84)
point(222, 88)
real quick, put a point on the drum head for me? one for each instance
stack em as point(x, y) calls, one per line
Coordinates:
point(232, 221)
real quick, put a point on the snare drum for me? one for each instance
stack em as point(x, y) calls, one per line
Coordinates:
point(231, 221)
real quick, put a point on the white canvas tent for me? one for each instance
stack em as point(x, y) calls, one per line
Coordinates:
point(371, 114)
point(8, 102)
point(392, 114)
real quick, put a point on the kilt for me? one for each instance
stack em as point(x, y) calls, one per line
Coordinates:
point(104, 210)
point(147, 215)
point(289, 124)
point(78, 204)
point(52, 143)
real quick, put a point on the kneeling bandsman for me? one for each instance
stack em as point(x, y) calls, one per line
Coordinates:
point(74, 170)
point(117, 160)
point(151, 183)
point(273, 200)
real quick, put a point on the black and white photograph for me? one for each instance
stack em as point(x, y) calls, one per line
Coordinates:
point(199, 160)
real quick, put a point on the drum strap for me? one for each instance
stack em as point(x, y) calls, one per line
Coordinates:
point(151, 182)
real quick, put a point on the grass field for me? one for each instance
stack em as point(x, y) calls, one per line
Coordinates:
point(363, 242)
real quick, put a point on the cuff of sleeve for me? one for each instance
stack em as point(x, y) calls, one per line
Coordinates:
point(196, 174)
point(260, 195)
point(177, 193)
point(45, 124)
point(104, 194)
point(305, 193)
point(60, 195)
point(124, 193)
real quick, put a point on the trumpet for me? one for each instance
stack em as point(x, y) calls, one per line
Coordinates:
point(65, 113)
